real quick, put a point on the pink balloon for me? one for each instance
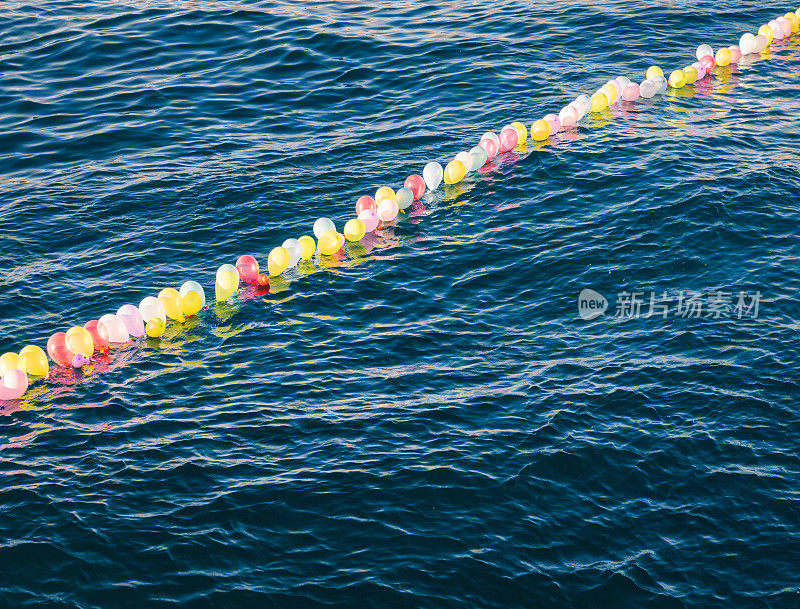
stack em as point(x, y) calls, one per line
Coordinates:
point(490, 147)
point(416, 185)
point(100, 341)
point(365, 202)
point(568, 116)
point(708, 63)
point(509, 137)
point(248, 269)
point(701, 71)
point(370, 219)
point(631, 92)
point(57, 349)
point(13, 385)
point(388, 210)
point(736, 52)
point(785, 26)
point(132, 318)
point(78, 361)
point(554, 122)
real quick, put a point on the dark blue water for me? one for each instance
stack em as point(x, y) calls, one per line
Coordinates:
point(429, 422)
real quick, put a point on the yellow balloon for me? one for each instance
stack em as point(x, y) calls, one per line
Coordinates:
point(9, 361)
point(173, 304)
point(724, 57)
point(191, 304)
point(278, 261)
point(454, 172)
point(540, 130)
point(766, 31)
point(309, 247)
point(354, 230)
point(691, 74)
point(522, 132)
point(653, 72)
point(329, 243)
point(599, 102)
point(155, 327)
point(678, 79)
point(33, 360)
point(223, 292)
point(793, 21)
point(384, 192)
point(80, 341)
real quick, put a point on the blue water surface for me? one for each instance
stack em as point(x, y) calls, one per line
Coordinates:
point(428, 421)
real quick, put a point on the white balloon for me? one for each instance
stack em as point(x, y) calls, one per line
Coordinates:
point(747, 43)
point(466, 158)
point(152, 308)
point(113, 329)
point(322, 226)
point(647, 89)
point(661, 84)
point(432, 174)
point(295, 251)
point(478, 154)
point(404, 197)
point(585, 103)
point(777, 29)
point(703, 50)
point(569, 115)
point(624, 81)
point(224, 268)
point(761, 43)
point(579, 107)
point(193, 286)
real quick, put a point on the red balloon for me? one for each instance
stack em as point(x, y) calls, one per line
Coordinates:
point(490, 147)
point(508, 139)
point(262, 279)
point(708, 63)
point(416, 185)
point(248, 269)
point(57, 349)
point(365, 202)
point(100, 341)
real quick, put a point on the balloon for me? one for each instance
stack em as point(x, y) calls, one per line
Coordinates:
point(191, 304)
point(761, 43)
point(112, 327)
point(308, 245)
point(611, 92)
point(704, 50)
point(661, 84)
point(508, 139)
point(522, 132)
point(622, 82)
point(387, 209)
point(329, 242)
point(79, 340)
point(777, 30)
point(78, 360)
point(354, 230)
point(33, 360)
point(370, 219)
point(173, 304)
point(433, 174)
point(13, 385)
point(365, 202)
point(794, 22)
point(155, 327)
point(466, 160)
point(747, 43)
point(568, 116)
point(677, 79)
point(453, 173)
point(585, 103)
point(8, 361)
point(787, 26)
point(708, 63)
point(295, 252)
point(701, 71)
point(540, 130)
point(415, 184)
point(404, 198)
point(647, 89)
point(384, 192)
point(490, 147)
point(57, 349)
point(599, 102)
point(653, 71)
point(491, 135)
point(247, 267)
point(736, 53)
point(262, 279)
point(132, 319)
point(691, 75)
point(100, 341)
point(478, 154)
point(555, 124)
point(191, 286)
point(766, 32)
point(724, 57)
point(322, 226)
point(631, 92)
point(279, 258)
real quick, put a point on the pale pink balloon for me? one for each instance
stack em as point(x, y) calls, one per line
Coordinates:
point(701, 71)
point(370, 219)
point(509, 137)
point(112, 328)
point(786, 27)
point(132, 318)
point(490, 147)
point(631, 92)
point(555, 124)
point(568, 116)
point(388, 210)
point(736, 53)
point(13, 385)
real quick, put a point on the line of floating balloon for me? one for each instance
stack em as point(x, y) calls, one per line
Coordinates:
point(77, 346)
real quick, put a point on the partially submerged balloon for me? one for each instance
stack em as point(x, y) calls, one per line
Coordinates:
point(762, 42)
point(540, 130)
point(79, 360)
point(354, 230)
point(777, 30)
point(631, 92)
point(747, 43)
point(384, 192)
point(173, 303)
point(322, 226)
point(599, 102)
point(568, 116)
point(247, 267)
point(708, 63)
point(387, 209)
point(57, 349)
point(308, 245)
point(677, 79)
point(661, 84)
point(736, 53)
point(723, 57)
point(554, 122)
point(490, 147)
point(112, 328)
point(225, 285)
point(155, 328)
point(8, 361)
point(295, 252)
point(132, 318)
point(365, 202)
point(701, 71)
point(622, 82)
point(691, 75)
point(508, 139)
point(191, 304)
point(328, 243)
point(415, 184)
point(370, 219)
point(466, 161)
point(610, 91)
point(99, 340)
point(766, 32)
point(522, 132)
point(491, 135)
point(653, 71)
point(33, 361)
point(404, 198)
point(262, 279)
point(478, 154)
point(433, 174)
point(453, 173)
point(704, 50)
point(647, 89)
point(13, 385)
point(78, 340)
point(279, 258)
point(585, 104)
